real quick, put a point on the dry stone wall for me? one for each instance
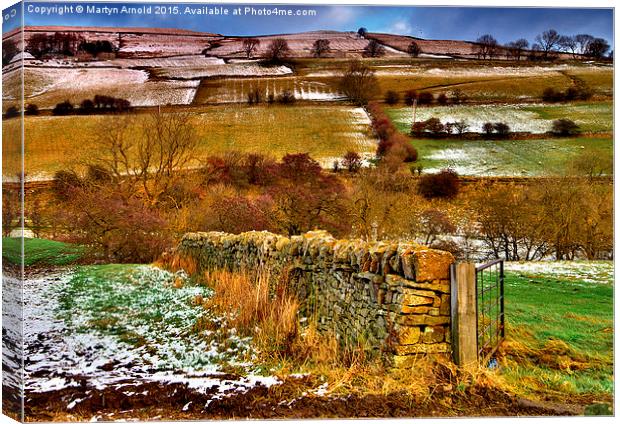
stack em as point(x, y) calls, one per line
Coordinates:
point(393, 296)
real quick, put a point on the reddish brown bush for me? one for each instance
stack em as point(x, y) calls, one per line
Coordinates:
point(352, 161)
point(117, 228)
point(443, 184)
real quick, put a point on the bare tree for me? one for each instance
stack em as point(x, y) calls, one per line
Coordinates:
point(277, 50)
point(548, 41)
point(319, 47)
point(250, 45)
point(569, 44)
point(583, 40)
point(141, 154)
point(597, 48)
point(486, 47)
point(359, 83)
point(414, 49)
point(374, 49)
point(516, 48)
point(461, 127)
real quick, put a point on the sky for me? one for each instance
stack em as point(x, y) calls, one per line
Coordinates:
point(450, 22)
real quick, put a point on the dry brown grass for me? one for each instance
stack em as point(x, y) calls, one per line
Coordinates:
point(255, 308)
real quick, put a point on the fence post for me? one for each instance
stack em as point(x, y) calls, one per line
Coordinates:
point(464, 315)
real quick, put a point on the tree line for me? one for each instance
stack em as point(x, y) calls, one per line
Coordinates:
point(547, 46)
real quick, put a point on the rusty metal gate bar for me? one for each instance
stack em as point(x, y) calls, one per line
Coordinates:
point(490, 326)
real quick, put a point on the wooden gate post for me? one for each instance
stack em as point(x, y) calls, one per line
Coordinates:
point(464, 315)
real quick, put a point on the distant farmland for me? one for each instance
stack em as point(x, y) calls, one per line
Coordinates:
point(326, 133)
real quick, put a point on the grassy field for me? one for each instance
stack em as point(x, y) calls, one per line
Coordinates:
point(508, 157)
point(322, 131)
point(511, 157)
point(559, 329)
point(40, 252)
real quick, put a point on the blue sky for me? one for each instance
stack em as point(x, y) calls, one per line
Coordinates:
point(463, 23)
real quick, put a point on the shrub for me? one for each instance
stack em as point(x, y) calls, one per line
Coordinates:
point(384, 128)
point(565, 127)
point(572, 93)
point(432, 126)
point(64, 108)
point(299, 167)
point(260, 169)
point(442, 99)
point(87, 106)
point(414, 49)
point(11, 112)
point(552, 95)
point(502, 129)
point(254, 96)
point(111, 103)
point(287, 97)
point(444, 184)
point(352, 161)
point(31, 109)
point(97, 174)
point(458, 97)
point(121, 229)
point(410, 97)
point(226, 169)
point(488, 128)
point(425, 98)
point(238, 214)
point(402, 148)
point(64, 184)
point(392, 97)
point(383, 147)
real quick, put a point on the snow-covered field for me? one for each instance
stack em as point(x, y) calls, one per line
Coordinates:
point(149, 45)
point(144, 335)
point(224, 70)
point(48, 86)
point(516, 116)
point(600, 272)
point(155, 62)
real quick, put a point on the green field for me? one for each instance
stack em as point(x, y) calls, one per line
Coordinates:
point(560, 330)
point(508, 157)
point(530, 157)
point(40, 252)
point(325, 132)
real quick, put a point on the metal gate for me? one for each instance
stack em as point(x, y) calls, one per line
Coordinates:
point(489, 308)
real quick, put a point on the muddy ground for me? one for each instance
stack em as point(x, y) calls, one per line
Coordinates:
point(152, 401)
